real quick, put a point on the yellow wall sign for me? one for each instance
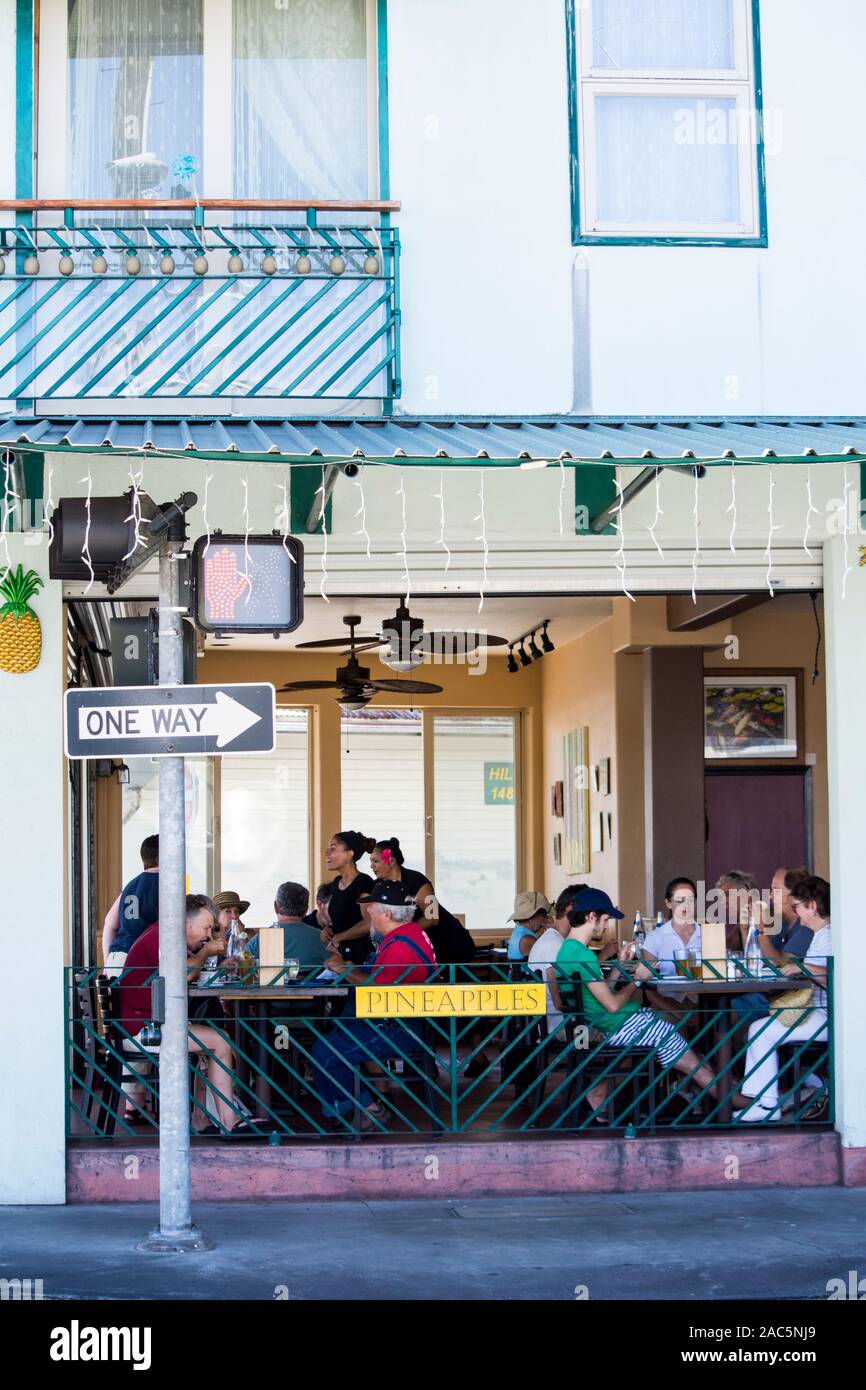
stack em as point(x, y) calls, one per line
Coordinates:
point(448, 1001)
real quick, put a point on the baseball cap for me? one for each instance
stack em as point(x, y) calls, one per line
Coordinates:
point(527, 904)
point(594, 900)
point(387, 892)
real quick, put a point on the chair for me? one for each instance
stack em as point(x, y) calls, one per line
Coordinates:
point(602, 1059)
point(799, 1061)
point(426, 1077)
point(127, 1061)
point(87, 1020)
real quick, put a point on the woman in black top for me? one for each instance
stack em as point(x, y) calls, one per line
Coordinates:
point(450, 939)
point(349, 932)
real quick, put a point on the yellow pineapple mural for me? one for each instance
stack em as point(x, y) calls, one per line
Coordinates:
point(20, 629)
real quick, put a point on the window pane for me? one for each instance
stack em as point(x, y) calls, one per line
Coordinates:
point(300, 99)
point(140, 816)
point(135, 96)
point(383, 779)
point(667, 159)
point(265, 826)
point(663, 34)
point(475, 819)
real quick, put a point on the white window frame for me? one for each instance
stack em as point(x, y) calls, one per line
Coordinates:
point(217, 100)
point(739, 83)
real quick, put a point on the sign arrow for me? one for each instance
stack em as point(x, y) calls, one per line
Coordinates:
point(159, 721)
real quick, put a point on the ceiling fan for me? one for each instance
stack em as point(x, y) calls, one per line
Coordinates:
point(353, 680)
point(408, 644)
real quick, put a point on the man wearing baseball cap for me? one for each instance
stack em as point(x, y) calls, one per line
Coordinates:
point(404, 955)
point(618, 1013)
point(531, 915)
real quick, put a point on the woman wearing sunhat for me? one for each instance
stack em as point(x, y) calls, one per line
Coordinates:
point(531, 916)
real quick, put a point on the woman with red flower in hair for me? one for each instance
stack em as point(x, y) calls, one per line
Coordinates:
point(451, 941)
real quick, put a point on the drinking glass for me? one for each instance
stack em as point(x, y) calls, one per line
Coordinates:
point(695, 963)
point(681, 960)
point(293, 968)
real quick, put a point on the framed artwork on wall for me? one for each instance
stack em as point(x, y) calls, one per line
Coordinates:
point(575, 756)
point(753, 716)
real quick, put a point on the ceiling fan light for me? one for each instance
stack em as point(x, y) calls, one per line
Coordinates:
point(352, 704)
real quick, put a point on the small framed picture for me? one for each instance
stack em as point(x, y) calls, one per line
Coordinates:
point(609, 826)
point(557, 850)
point(753, 716)
point(596, 777)
point(604, 776)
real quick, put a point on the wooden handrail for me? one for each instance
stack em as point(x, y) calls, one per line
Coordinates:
point(176, 204)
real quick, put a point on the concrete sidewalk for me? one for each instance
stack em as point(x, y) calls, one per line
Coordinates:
point(683, 1246)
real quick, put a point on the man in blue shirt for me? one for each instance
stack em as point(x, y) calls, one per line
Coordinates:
point(134, 910)
point(791, 941)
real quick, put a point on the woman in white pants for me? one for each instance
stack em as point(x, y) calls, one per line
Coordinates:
point(811, 901)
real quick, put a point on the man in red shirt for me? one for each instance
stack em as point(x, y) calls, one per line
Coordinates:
point(404, 955)
point(135, 1009)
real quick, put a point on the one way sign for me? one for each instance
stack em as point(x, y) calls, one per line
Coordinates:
point(166, 721)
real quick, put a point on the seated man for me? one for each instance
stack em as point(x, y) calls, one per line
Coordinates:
point(544, 953)
point(135, 1009)
point(811, 901)
point(780, 944)
point(404, 955)
point(301, 941)
point(531, 916)
point(320, 917)
point(617, 1014)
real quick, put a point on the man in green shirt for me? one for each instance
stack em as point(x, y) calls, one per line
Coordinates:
point(618, 1014)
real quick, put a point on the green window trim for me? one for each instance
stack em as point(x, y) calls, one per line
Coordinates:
point(580, 238)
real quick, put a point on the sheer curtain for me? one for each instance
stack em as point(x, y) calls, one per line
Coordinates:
point(663, 34)
point(658, 162)
point(135, 95)
point(300, 99)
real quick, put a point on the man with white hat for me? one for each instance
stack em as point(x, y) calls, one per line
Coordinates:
point(531, 916)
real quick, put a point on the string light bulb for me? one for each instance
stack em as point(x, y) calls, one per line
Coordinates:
point(337, 265)
point(199, 264)
point(236, 264)
point(133, 265)
point(2, 266)
point(99, 264)
point(166, 264)
point(66, 264)
point(269, 264)
point(371, 265)
point(31, 265)
point(303, 265)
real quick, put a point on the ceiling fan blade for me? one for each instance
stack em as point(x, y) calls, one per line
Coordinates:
point(339, 642)
point(312, 685)
point(407, 687)
point(457, 639)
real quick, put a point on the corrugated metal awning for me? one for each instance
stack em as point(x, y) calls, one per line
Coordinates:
point(498, 440)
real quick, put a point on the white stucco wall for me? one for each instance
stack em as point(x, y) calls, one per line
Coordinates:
point(32, 855)
point(846, 766)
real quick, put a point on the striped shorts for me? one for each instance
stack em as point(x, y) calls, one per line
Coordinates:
point(649, 1029)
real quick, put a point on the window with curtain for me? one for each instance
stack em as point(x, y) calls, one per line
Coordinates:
point(135, 96)
point(300, 99)
point(666, 122)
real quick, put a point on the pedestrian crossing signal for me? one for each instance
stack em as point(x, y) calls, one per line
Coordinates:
point(248, 583)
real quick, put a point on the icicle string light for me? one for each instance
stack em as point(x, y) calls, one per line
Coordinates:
point(658, 514)
point(561, 497)
point(135, 479)
point(48, 504)
point(696, 552)
point(207, 482)
point(732, 510)
point(320, 493)
point(404, 548)
point(285, 519)
point(8, 493)
point(440, 497)
point(482, 537)
point(620, 558)
point(362, 511)
point(847, 531)
point(770, 529)
point(85, 549)
point(811, 511)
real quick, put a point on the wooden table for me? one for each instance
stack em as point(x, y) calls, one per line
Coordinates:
point(256, 997)
point(673, 986)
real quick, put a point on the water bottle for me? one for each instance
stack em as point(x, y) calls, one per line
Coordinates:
point(754, 957)
point(233, 951)
point(638, 936)
point(660, 920)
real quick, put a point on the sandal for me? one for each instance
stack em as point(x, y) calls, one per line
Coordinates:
point(250, 1127)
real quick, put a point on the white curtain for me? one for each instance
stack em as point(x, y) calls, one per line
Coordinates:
point(662, 159)
point(300, 99)
point(135, 95)
point(663, 34)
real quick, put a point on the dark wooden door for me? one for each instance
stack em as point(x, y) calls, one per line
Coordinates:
point(756, 821)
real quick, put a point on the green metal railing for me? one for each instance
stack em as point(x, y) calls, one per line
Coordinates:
point(304, 307)
point(301, 1068)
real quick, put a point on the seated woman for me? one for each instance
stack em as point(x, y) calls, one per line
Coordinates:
point(618, 1015)
point(531, 916)
point(680, 933)
point(811, 900)
point(451, 941)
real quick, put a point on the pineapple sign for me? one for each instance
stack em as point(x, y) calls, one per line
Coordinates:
point(20, 629)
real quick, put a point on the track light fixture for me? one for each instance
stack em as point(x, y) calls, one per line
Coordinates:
point(529, 646)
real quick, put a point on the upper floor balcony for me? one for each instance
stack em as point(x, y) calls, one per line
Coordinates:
point(210, 300)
